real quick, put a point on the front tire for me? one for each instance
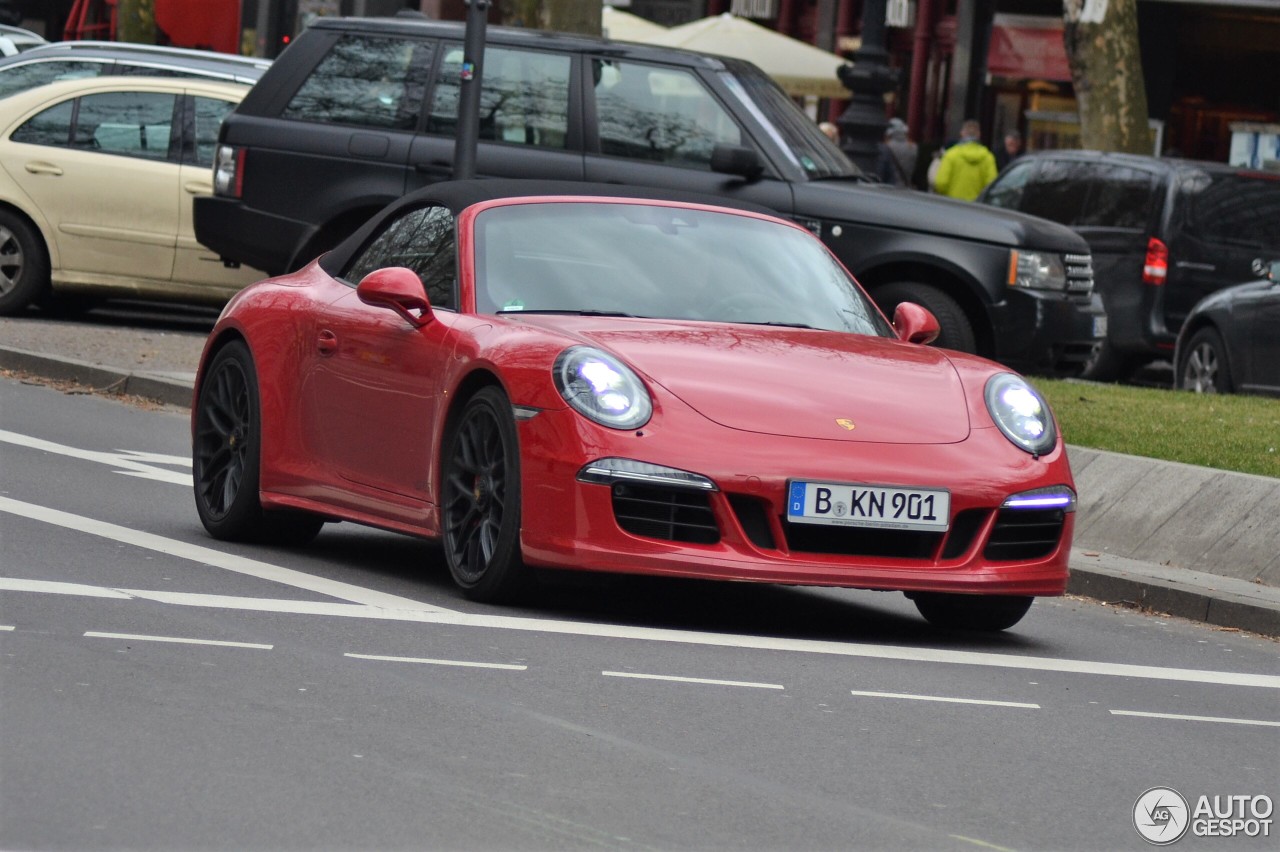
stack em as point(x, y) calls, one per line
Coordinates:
point(985, 613)
point(956, 330)
point(480, 501)
point(226, 455)
point(24, 265)
point(1108, 364)
point(1204, 366)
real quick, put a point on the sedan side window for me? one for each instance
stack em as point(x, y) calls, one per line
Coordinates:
point(659, 114)
point(423, 240)
point(48, 127)
point(524, 97)
point(209, 113)
point(1058, 192)
point(132, 124)
point(367, 82)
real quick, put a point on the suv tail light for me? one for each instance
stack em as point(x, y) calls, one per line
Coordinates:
point(1155, 269)
point(228, 171)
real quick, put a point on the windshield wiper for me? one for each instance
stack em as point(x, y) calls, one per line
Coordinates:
point(781, 324)
point(570, 312)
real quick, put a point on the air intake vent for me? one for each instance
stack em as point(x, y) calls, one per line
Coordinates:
point(1024, 534)
point(670, 514)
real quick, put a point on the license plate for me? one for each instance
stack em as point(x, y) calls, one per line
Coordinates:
point(1099, 326)
point(885, 507)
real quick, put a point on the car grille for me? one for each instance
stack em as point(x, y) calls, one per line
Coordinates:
point(1079, 276)
point(1024, 534)
point(670, 514)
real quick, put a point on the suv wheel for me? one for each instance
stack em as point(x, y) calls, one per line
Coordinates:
point(957, 331)
point(1204, 364)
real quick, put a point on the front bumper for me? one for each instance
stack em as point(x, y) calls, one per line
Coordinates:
point(739, 532)
point(1047, 332)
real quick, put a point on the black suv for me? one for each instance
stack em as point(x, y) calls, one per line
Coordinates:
point(1164, 233)
point(357, 112)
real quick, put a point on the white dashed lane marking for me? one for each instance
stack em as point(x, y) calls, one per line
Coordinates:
point(422, 660)
point(945, 699)
point(710, 681)
point(138, 637)
point(1223, 720)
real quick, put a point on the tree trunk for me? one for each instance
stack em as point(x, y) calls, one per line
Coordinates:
point(1101, 39)
point(569, 16)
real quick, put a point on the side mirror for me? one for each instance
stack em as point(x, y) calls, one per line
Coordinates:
point(736, 160)
point(915, 324)
point(397, 288)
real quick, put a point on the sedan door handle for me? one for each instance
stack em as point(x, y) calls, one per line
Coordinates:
point(327, 342)
point(199, 187)
point(40, 168)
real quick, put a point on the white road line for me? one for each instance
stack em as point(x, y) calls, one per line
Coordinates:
point(1221, 719)
point(461, 663)
point(50, 587)
point(135, 637)
point(911, 697)
point(705, 680)
point(6, 626)
point(215, 558)
point(128, 462)
point(944, 656)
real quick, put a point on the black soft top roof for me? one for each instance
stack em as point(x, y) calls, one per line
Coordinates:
point(461, 194)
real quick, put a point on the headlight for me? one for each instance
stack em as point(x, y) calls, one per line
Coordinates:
point(1021, 413)
point(602, 388)
point(1037, 270)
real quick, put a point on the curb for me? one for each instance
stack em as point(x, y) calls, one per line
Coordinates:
point(164, 389)
point(1198, 596)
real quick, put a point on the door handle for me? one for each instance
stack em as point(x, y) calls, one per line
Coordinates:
point(327, 342)
point(40, 168)
point(199, 187)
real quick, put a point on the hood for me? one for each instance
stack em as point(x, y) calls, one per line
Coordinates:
point(882, 206)
point(796, 383)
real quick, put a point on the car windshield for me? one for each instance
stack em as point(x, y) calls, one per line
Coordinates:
point(650, 260)
point(792, 130)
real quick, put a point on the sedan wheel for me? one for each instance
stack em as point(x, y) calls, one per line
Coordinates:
point(24, 269)
point(225, 457)
point(1204, 366)
point(987, 613)
point(481, 500)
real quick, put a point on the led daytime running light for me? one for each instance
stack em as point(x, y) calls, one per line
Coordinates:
point(1053, 497)
point(611, 470)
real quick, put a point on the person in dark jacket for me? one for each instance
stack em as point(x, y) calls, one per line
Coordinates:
point(897, 160)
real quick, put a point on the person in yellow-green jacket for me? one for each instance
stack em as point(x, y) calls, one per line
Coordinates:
point(967, 166)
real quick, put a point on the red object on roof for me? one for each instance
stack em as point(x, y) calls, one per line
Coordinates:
point(1028, 47)
point(209, 24)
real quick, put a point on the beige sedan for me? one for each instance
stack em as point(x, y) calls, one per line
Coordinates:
point(96, 181)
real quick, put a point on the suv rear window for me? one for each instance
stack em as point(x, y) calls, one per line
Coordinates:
point(365, 81)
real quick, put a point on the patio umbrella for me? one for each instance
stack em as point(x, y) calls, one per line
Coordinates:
point(799, 68)
point(624, 26)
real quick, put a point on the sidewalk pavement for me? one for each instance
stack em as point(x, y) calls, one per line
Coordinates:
point(1171, 538)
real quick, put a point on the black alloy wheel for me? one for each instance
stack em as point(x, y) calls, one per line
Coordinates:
point(986, 613)
point(225, 458)
point(480, 500)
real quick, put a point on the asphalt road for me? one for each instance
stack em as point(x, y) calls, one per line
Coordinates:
point(161, 690)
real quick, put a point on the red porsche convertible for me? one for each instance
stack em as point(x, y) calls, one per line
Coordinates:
point(602, 379)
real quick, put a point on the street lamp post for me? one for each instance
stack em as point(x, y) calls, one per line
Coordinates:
point(468, 133)
point(862, 124)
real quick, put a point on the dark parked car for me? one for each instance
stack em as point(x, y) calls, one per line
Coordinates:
point(1231, 340)
point(357, 112)
point(1164, 234)
point(65, 60)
